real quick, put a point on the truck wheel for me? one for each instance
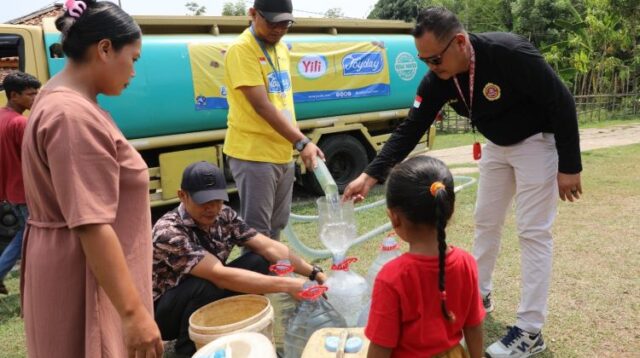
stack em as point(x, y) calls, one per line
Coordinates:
point(346, 158)
point(4, 242)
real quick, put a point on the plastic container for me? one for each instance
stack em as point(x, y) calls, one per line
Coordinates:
point(244, 313)
point(347, 291)
point(283, 304)
point(238, 345)
point(363, 317)
point(313, 313)
point(317, 345)
point(337, 226)
point(389, 250)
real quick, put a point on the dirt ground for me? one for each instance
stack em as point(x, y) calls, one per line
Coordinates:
point(590, 139)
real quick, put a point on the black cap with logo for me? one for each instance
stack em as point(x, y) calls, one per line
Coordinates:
point(204, 182)
point(275, 10)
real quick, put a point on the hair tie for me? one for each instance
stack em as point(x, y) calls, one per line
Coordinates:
point(75, 8)
point(435, 187)
point(443, 295)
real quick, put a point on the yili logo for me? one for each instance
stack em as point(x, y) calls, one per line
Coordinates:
point(362, 63)
point(312, 66)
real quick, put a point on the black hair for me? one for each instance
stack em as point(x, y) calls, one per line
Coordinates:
point(99, 21)
point(19, 81)
point(55, 50)
point(438, 20)
point(409, 190)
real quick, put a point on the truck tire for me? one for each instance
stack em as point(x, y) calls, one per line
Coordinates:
point(4, 242)
point(346, 158)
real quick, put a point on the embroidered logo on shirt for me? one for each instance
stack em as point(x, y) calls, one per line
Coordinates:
point(417, 102)
point(274, 82)
point(491, 91)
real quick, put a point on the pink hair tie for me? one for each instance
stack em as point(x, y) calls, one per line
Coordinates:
point(75, 8)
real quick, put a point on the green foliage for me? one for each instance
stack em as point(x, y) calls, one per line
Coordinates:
point(406, 10)
point(231, 9)
point(195, 9)
point(334, 13)
point(592, 44)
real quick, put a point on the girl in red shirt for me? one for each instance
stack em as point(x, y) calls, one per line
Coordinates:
point(414, 311)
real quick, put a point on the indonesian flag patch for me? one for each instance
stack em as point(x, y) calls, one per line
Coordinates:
point(417, 102)
point(263, 61)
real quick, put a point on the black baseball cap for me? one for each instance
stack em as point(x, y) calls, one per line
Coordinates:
point(275, 10)
point(204, 182)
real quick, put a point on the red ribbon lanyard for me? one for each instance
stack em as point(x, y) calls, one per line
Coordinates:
point(477, 149)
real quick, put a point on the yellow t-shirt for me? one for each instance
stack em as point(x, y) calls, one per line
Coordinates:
point(249, 136)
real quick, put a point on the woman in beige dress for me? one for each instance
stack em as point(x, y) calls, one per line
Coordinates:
point(86, 270)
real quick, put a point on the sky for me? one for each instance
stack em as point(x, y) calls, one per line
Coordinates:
point(302, 8)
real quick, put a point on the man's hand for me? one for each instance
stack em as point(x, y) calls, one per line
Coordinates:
point(296, 288)
point(321, 278)
point(359, 188)
point(569, 186)
point(309, 155)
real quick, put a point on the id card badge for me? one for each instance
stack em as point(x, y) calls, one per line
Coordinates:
point(287, 114)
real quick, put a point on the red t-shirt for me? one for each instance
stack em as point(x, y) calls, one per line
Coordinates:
point(405, 309)
point(12, 126)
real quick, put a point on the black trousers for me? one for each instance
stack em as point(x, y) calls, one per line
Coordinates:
point(175, 306)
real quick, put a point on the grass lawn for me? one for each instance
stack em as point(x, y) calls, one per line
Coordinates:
point(594, 305)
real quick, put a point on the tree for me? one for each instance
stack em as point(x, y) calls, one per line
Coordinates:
point(406, 10)
point(539, 20)
point(231, 9)
point(592, 44)
point(195, 8)
point(334, 13)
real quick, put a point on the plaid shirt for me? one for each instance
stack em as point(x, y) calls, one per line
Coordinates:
point(179, 244)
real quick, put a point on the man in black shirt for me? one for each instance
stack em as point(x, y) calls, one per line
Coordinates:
point(513, 97)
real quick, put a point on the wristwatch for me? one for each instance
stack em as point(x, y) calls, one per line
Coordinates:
point(316, 270)
point(299, 145)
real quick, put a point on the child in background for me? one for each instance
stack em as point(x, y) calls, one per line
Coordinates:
point(424, 300)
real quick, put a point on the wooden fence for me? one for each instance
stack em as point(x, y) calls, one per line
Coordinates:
point(590, 108)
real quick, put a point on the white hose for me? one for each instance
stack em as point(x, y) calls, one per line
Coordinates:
point(314, 254)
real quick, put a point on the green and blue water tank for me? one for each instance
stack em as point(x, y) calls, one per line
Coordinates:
point(160, 99)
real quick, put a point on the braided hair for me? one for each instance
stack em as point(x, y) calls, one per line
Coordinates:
point(421, 188)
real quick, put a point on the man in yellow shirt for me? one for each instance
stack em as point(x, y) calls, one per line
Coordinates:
point(262, 130)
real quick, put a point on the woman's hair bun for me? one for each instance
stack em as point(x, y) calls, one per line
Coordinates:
point(86, 22)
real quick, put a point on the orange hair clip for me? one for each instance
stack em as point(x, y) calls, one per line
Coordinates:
point(435, 187)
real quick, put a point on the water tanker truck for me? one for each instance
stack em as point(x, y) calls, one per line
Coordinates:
point(353, 82)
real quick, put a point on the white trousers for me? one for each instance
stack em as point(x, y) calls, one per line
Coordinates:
point(529, 171)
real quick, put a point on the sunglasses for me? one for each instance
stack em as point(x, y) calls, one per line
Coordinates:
point(276, 25)
point(437, 59)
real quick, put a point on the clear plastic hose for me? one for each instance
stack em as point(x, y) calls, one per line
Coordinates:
point(314, 254)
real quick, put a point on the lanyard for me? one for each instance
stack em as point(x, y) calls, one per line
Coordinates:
point(276, 71)
point(472, 78)
point(477, 149)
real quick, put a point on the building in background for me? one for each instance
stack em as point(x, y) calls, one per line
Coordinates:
point(8, 61)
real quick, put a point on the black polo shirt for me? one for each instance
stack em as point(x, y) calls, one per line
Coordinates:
point(516, 95)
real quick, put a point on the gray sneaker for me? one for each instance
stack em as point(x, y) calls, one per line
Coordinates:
point(517, 343)
point(488, 303)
